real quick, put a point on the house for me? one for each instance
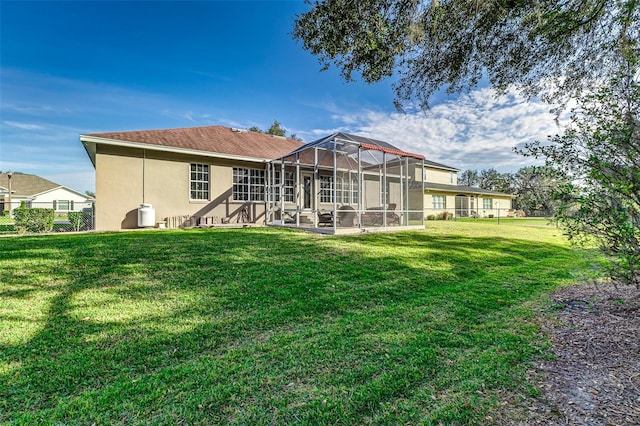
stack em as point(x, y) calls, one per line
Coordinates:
point(217, 175)
point(33, 191)
point(444, 195)
point(211, 172)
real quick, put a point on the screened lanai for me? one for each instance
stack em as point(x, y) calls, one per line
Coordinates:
point(345, 183)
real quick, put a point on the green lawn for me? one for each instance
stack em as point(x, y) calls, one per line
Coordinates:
point(257, 326)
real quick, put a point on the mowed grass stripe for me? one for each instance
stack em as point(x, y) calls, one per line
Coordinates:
point(254, 326)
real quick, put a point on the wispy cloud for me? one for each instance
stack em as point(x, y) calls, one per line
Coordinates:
point(476, 131)
point(23, 126)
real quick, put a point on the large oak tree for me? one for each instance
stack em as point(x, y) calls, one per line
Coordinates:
point(550, 49)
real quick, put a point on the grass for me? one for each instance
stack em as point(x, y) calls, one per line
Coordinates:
point(256, 326)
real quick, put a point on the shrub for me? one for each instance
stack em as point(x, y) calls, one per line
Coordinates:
point(444, 216)
point(34, 220)
point(431, 217)
point(76, 220)
point(80, 221)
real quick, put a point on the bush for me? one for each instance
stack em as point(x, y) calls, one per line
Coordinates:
point(444, 216)
point(80, 221)
point(76, 220)
point(431, 217)
point(34, 220)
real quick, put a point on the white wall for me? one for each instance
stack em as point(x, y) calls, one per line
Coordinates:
point(46, 199)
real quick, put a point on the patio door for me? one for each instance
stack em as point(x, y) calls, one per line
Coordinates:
point(462, 206)
point(307, 191)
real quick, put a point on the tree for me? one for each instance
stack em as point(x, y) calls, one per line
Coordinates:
point(468, 178)
point(492, 180)
point(534, 188)
point(276, 129)
point(553, 49)
point(600, 154)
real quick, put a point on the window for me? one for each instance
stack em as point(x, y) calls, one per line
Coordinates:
point(487, 203)
point(63, 205)
point(326, 189)
point(288, 187)
point(248, 184)
point(346, 189)
point(199, 182)
point(450, 177)
point(354, 189)
point(439, 201)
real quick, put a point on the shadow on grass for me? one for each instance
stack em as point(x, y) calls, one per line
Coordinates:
point(259, 325)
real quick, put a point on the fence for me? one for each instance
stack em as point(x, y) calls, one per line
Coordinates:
point(448, 214)
point(68, 217)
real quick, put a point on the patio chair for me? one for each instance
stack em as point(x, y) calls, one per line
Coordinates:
point(392, 216)
point(325, 218)
point(346, 215)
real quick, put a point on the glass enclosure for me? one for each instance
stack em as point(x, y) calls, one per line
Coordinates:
point(345, 182)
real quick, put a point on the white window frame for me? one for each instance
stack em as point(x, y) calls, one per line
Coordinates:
point(354, 189)
point(487, 203)
point(199, 183)
point(439, 201)
point(68, 205)
point(326, 189)
point(289, 185)
point(248, 184)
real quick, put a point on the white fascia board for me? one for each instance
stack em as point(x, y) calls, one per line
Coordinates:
point(64, 187)
point(114, 142)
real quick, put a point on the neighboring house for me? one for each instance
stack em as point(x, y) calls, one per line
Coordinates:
point(443, 194)
point(34, 191)
point(216, 174)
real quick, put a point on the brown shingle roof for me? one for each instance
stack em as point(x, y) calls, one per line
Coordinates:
point(216, 139)
point(26, 185)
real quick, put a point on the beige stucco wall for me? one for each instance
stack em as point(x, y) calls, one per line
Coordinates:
point(499, 203)
point(440, 176)
point(125, 178)
point(475, 203)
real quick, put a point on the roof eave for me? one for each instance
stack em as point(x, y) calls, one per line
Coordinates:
point(88, 139)
point(477, 191)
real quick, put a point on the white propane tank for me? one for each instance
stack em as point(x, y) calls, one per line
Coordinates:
point(146, 216)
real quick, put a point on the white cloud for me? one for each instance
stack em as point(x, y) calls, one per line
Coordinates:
point(476, 131)
point(23, 126)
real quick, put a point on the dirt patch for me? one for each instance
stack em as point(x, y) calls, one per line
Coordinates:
point(595, 376)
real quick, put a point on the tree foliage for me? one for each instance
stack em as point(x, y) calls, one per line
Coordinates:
point(534, 187)
point(492, 180)
point(468, 178)
point(275, 129)
point(600, 153)
point(546, 48)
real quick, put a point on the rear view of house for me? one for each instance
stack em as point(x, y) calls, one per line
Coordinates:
point(215, 175)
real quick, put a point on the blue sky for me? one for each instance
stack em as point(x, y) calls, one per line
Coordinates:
point(71, 68)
